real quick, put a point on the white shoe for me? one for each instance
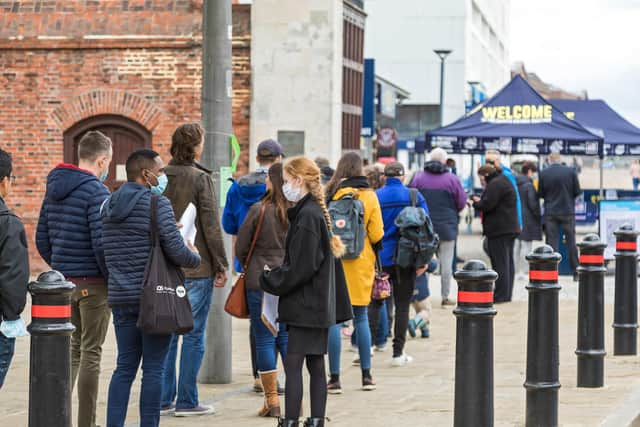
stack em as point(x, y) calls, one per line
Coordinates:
point(356, 358)
point(405, 359)
point(381, 348)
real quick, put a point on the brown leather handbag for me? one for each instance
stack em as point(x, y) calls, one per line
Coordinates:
point(236, 304)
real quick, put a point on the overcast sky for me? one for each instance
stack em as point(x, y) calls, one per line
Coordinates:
point(582, 44)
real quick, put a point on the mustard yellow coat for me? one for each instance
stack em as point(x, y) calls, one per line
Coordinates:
point(360, 272)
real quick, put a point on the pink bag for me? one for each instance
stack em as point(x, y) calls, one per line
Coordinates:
point(381, 284)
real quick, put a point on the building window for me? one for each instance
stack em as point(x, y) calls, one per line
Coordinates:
point(292, 142)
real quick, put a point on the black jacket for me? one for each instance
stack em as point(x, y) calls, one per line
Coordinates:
point(14, 265)
point(310, 284)
point(531, 216)
point(559, 187)
point(499, 208)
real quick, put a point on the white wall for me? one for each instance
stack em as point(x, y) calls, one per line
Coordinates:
point(401, 36)
point(296, 55)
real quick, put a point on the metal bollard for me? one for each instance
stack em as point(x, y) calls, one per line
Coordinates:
point(543, 359)
point(590, 349)
point(625, 309)
point(50, 364)
point(474, 346)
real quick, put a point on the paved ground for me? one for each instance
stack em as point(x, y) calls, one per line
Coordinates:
point(418, 395)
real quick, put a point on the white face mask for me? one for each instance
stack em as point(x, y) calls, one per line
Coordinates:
point(291, 193)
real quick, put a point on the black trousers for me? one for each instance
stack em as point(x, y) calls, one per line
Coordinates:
point(501, 255)
point(403, 281)
point(552, 226)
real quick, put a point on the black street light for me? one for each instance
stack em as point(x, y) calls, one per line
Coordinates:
point(442, 53)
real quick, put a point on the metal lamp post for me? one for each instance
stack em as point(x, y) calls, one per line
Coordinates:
point(442, 53)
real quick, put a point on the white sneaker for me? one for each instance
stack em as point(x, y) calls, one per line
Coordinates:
point(405, 359)
point(356, 358)
point(381, 348)
point(194, 412)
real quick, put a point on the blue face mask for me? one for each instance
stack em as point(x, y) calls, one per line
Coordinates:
point(162, 185)
point(104, 176)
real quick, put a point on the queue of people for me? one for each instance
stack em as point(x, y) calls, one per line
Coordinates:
point(315, 237)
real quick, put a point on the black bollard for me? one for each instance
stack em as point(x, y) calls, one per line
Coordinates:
point(590, 349)
point(543, 359)
point(625, 309)
point(474, 346)
point(50, 364)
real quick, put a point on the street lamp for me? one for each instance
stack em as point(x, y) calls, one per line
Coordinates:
point(442, 53)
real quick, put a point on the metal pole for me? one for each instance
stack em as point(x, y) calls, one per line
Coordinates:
point(50, 355)
point(474, 346)
point(590, 349)
point(216, 120)
point(625, 309)
point(543, 360)
point(442, 91)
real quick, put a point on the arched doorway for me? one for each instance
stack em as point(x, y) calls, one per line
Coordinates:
point(126, 135)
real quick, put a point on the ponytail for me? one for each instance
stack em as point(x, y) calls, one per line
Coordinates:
point(337, 247)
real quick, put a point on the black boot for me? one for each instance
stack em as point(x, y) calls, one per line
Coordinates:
point(314, 422)
point(285, 422)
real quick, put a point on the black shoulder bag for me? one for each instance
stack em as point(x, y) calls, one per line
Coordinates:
point(164, 306)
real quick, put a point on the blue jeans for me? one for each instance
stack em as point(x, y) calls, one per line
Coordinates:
point(267, 346)
point(7, 347)
point(361, 326)
point(382, 329)
point(133, 346)
point(199, 292)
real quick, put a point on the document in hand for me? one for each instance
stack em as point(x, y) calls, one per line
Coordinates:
point(188, 222)
point(270, 312)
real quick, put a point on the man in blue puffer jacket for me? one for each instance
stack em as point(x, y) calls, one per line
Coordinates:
point(127, 246)
point(69, 239)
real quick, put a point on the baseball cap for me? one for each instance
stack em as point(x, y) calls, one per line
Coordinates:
point(270, 148)
point(394, 169)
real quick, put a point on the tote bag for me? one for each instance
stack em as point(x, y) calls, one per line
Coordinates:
point(164, 306)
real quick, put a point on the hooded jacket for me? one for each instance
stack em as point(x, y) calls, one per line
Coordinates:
point(445, 196)
point(14, 265)
point(499, 208)
point(393, 197)
point(69, 231)
point(531, 216)
point(309, 282)
point(127, 242)
point(241, 196)
point(191, 183)
point(360, 272)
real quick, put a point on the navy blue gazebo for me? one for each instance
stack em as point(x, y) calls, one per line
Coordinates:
point(516, 120)
point(621, 138)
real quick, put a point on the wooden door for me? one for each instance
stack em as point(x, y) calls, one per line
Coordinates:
point(126, 136)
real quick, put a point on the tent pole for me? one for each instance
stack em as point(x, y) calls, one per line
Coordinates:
point(602, 178)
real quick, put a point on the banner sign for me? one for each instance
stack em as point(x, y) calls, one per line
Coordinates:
point(508, 145)
point(613, 214)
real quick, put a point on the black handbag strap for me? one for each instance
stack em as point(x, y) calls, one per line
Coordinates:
point(153, 226)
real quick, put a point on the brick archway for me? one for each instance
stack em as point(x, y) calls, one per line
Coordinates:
point(98, 102)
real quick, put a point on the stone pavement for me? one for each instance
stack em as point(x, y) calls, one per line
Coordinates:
point(420, 394)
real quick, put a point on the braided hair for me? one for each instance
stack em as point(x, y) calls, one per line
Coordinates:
point(306, 169)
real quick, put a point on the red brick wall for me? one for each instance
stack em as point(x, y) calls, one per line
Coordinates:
point(64, 61)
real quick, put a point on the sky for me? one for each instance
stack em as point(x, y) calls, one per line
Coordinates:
point(582, 44)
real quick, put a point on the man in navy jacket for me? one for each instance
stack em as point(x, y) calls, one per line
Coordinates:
point(69, 239)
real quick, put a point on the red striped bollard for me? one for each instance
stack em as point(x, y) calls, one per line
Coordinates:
point(474, 346)
point(543, 359)
point(590, 349)
point(625, 308)
point(50, 364)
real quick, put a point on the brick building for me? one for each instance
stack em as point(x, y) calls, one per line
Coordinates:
point(129, 68)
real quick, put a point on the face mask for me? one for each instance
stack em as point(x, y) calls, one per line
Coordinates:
point(104, 176)
point(291, 193)
point(162, 185)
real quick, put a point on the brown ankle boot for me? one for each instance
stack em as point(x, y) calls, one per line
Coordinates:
point(271, 406)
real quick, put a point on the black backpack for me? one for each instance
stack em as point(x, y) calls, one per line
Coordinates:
point(417, 242)
point(347, 221)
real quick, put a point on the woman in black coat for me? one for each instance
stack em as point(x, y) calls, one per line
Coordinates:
point(531, 219)
point(499, 225)
point(313, 295)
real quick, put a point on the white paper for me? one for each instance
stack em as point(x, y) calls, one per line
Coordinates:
point(188, 222)
point(121, 172)
point(270, 312)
